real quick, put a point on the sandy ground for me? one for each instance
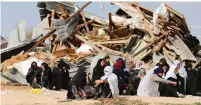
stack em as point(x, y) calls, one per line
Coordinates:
point(21, 95)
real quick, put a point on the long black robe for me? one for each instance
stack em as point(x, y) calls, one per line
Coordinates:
point(98, 71)
point(77, 82)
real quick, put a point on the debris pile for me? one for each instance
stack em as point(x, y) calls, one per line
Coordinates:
point(133, 32)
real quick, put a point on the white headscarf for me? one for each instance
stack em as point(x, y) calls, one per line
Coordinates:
point(112, 80)
point(171, 72)
point(182, 71)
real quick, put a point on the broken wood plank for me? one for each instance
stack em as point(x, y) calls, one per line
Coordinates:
point(161, 45)
point(111, 42)
point(88, 42)
point(63, 13)
point(97, 19)
point(70, 44)
point(42, 39)
point(173, 11)
point(78, 10)
point(111, 23)
point(85, 23)
point(147, 46)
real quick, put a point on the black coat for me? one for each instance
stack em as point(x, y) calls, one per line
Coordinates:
point(98, 71)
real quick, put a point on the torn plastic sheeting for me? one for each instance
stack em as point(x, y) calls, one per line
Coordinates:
point(84, 48)
point(135, 22)
point(23, 66)
point(66, 30)
point(160, 11)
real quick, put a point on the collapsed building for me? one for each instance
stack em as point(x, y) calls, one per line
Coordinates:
point(68, 33)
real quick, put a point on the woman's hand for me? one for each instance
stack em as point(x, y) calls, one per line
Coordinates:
point(173, 83)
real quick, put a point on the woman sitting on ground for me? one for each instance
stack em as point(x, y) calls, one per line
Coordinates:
point(108, 84)
point(34, 75)
point(122, 75)
point(98, 70)
point(76, 86)
point(46, 80)
point(149, 85)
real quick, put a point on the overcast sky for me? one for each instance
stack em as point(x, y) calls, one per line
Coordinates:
point(13, 12)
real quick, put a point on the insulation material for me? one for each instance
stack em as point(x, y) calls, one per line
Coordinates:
point(84, 48)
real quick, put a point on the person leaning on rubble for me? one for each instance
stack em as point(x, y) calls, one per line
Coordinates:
point(76, 86)
point(107, 86)
point(34, 75)
point(149, 85)
point(46, 80)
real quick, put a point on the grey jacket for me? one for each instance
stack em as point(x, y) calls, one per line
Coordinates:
point(149, 85)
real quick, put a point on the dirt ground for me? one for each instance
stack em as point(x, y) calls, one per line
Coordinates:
point(21, 95)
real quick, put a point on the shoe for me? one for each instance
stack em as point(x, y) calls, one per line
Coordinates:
point(180, 95)
point(78, 99)
point(84, 97)
point(95, 97)
point(65, 100)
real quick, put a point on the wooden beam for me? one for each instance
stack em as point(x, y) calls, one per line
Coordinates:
point(111, 23)
point(79, 10)
point(147, 46)
point(85, 23)
point(88, 42)
point(173, 11)
point(111, 42)
point(52, 18)
point(42, 39)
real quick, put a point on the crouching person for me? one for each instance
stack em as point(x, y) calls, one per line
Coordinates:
point(34, 75)
point(107, 86)
point(149, 85)
point(76, 86)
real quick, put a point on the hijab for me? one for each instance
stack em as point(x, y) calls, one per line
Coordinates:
point(112, 80)
point(119, 65)
point(98, 71)
point(158, 70)
point(171, 72)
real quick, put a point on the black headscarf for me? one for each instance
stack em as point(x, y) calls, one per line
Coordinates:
point(106, 63)
point(158, 70)
point(80, 77)
point(98, 71)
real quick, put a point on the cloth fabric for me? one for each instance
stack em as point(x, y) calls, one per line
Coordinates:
point(171, 72)
point(112, 80)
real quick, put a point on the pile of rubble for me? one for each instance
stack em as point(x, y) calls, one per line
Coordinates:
point(80, 38)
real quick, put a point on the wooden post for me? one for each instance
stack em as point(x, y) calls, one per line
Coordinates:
point(85, 23)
